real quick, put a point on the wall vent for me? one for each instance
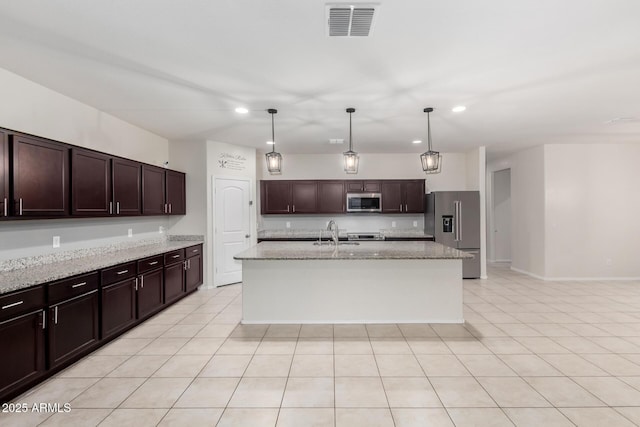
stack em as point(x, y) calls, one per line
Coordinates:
point(345, 20)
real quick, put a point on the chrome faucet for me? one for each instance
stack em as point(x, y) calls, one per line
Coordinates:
point(333, 228)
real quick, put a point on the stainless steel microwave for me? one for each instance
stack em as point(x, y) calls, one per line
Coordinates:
point(364, 202)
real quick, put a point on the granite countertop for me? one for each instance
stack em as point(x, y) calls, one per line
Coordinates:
point(22, 278)
point(364, 250)
point(313, 234)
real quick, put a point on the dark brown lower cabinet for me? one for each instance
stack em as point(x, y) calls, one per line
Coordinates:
point(173, 282)
point(193, 273)
point(150, 293)
point(118, 307)
point(22, 358)
point(73, 327)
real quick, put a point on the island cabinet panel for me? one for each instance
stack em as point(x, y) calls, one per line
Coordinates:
point(22, 339)
point(127, 187)
point(40, 177)
point(331, 197)
point(150, 292)
point(153, 191)
point(392, 198)
point(356, 186)
point(275, 197)
point(73, 327)
point(304, 197)
point(90, 183)
point(4, 175)
point(175, 193)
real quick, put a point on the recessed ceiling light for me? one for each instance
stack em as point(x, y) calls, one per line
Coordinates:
point(242, 110)
point(417, 141)
point(458, 109)
point(270, 142)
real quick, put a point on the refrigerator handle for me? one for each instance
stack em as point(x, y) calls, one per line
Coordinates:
point(459, 221)
point(455, 221)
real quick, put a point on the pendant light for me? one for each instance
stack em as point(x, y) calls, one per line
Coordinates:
point(274, 160)
point(431, 160)
point(350, 157)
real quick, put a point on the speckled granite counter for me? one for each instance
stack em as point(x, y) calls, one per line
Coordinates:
point(32, 274)
point(313, 234)
point(364, 251)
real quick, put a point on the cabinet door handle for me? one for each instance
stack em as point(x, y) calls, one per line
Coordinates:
point(195, 251)
point(142, 282)
point(6, 212)
point(122, 272)
point(153, 263)
point(78, 285)
point(4, 307)
point(165, 208)
point(55, 315)
point(136, 282)
point(44, 320)
point(405, 208)
point(189, 263)
point(176, 256)
point(400, 207)
point(20, 206)
point(169, 207)
point(294, 208)
point(110, 208)
point(117, 208)
point(184, 265)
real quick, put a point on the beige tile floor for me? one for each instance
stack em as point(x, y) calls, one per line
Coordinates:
point(531, 353)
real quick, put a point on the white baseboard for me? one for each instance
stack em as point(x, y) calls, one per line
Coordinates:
point(568, 279)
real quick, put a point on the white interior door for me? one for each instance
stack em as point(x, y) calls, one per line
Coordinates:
point(502, 215)
point(232, 228)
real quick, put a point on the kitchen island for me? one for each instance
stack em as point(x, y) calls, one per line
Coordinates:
point(370, 282)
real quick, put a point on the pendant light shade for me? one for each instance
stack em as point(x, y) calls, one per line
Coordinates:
point(274, 159)
point(350, 157)
point(431, 160)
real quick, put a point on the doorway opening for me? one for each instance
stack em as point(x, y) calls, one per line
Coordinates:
point(500, 250)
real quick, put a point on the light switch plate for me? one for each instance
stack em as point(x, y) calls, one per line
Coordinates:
point(393, 224)
point(130, 232)
point(56, 241)
point(415, 223)
point(287, 224)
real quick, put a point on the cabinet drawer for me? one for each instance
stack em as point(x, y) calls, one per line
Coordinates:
point(173, 256)
point(193, 251)
point(75, 286)
point(151, 263)
point(17, 303)
point(118, 273)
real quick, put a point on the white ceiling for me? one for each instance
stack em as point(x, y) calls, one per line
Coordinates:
point(529, 72)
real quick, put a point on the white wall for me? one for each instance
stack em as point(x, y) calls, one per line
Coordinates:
point(476, 180)
point(592, 205)
point(32, 108)
point(501, 229)
point(528, 211)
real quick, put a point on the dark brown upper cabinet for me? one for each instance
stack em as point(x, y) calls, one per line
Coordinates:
point(153, 191)
point(275, 197)
point(356, 186)
point(4, 175)
point(331, 196)
point(403, 196)
point(90, 183)
point(126, 181)
point(40, 177)
point(175, 192)
point(304, 196)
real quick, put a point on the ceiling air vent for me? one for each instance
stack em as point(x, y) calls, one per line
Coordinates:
point(350, 20)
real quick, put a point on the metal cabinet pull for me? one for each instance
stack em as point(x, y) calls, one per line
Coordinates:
point(169, 207)
point(400, 207)
point(294, 208)
point(20, 204)
point(4, 307)
point(189, 264)
point(136, 284)
point(122, 272)
point(142, 282)
point(196, 251)
point(55, 315)
point(110, 208)
point(78, 285)
point(287, 208)
point(117, 208)
point(405, 208)
point(44, 320)
point(6, 211)
point(153, 263)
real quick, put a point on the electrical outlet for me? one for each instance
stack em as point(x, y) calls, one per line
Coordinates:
point(287, 224)
point(415, 223)
point(130, 232)
point(56, 241)
point(161, 230)
point(393, 224)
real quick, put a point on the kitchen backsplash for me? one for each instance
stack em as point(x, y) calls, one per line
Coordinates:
point(348, 222)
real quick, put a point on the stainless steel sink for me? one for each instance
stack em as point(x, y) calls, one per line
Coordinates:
point(316, 243)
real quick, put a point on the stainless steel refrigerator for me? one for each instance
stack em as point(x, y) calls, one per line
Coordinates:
point(453, 218)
